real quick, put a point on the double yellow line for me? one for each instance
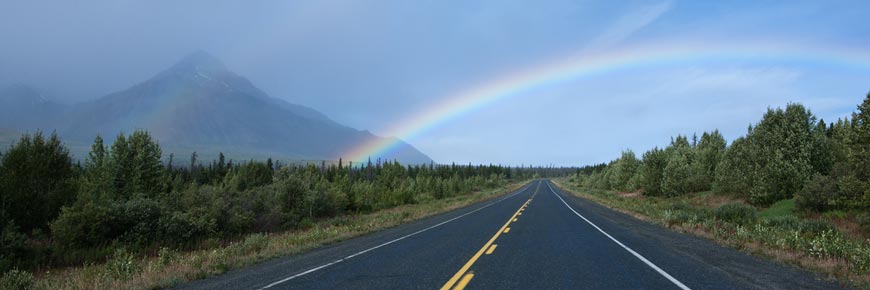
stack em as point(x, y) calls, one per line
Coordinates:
point(462, 277)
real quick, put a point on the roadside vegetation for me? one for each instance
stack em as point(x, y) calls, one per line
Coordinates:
point(793, 188)
point(124, 218)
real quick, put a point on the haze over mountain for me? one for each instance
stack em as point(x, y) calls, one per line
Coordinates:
point(197, 105)
point(24, 108)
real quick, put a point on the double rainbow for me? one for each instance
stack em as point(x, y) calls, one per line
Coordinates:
point(591, 64)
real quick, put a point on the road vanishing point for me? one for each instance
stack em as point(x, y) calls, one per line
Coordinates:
point(538, 237)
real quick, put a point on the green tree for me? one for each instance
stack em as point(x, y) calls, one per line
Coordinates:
point(652, 171)
point(785, 153)
point(96, 183)
point(623, 171)
point(121, 168)
point(708, 155)
point(147, 173)
point(737, 170)
point(856, 182)
point(36, 181)
point(676, 177)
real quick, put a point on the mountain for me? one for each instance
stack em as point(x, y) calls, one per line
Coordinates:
point(24, 108)
point(199, 105)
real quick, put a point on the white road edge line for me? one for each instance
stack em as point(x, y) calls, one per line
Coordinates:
point(648, 263)
point(309, 271)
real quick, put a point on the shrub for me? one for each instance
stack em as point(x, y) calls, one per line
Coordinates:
point(736, 213)
point(12, 246)
point(81, 226)
point(783, 222)
point(816, 227)
point(816, 194)
point(179, 228)
point(16, 280)
point(122, 265)
point(166, 256)
point(864, 222)
point(134, 221)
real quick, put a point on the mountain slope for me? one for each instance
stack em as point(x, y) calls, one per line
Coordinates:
point(25, 108)
point(199, 105)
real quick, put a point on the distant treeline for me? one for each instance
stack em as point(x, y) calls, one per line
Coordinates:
point(788, 154)
point(56, 212)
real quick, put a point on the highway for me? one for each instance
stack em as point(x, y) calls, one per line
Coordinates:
point(538, 237)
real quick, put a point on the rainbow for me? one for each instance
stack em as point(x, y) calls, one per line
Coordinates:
point(590, 64)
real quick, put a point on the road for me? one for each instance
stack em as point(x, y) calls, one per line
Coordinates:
point(536, 238)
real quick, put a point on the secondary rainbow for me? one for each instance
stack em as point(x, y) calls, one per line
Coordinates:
point(588, 64)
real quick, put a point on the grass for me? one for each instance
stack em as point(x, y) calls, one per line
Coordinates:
point(781, 208)
point(776, 232)
point(168, 267)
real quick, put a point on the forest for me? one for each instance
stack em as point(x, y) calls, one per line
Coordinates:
point(58, 212)
point(788, 155)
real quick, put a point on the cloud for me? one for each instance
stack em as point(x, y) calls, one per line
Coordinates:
point(628, 24)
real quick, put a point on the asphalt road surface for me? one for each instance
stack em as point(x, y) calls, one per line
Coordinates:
point(536, 238)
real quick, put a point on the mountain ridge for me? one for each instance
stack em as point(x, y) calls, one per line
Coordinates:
point(198, 104)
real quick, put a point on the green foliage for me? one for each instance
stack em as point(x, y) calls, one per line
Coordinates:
point(817, 194)
point(864, 223)
point(36, 180)
point(85, 225)
point(735, 173)
point(122, 265)
point(676, 177)
point(623, 170)
point(17, 280)
point(856, 183)
point(736, 213)
point(708, 155)
point(652, 171)
point(777, 157)
point(128, 199)
point(12, 246)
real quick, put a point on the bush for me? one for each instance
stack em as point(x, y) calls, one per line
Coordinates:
point(134, 222)
point(13, 246)
point(166, 256)
point(16, 280)
point(864, 222)
point(81, 226)
point(736, 213)
point(816, 194)
point(86, 225)
point(180, 228)
point(816, 227)
point(122, 265)
point(783, 222)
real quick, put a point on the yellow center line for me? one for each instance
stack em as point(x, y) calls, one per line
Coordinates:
point(464, 281)
point(467, 277)
point(507, 230)
point(491, 249)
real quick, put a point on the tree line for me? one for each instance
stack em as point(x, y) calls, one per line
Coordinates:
point(55, 212)
point(788, 154)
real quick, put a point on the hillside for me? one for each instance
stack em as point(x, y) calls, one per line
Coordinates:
point(199, 105)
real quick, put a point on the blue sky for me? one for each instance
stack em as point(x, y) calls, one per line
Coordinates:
point(369, 64)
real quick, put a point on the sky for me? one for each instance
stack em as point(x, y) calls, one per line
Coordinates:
point(374, 65)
